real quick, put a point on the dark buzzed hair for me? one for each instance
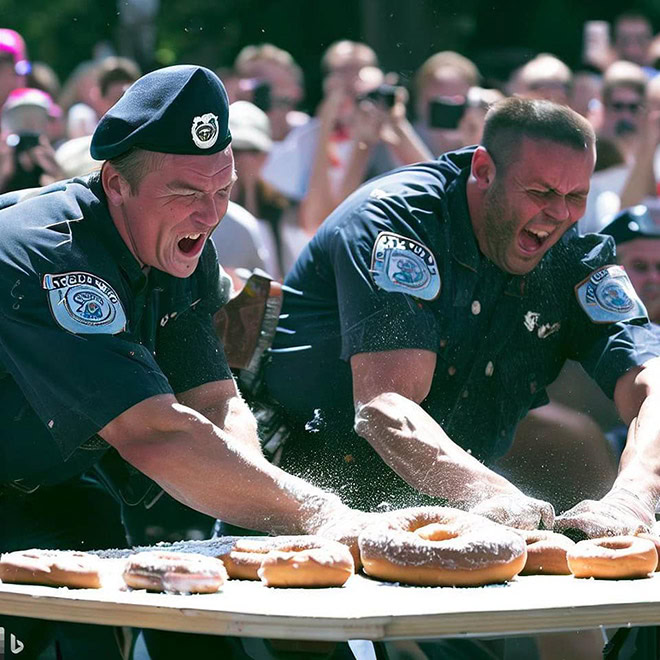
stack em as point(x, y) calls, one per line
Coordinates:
point(514, 118)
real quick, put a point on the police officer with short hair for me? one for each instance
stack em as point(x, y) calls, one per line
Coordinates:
point(432, 309)
point(107, 339)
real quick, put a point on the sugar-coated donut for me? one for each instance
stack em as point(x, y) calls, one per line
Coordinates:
point(613, 557)
point(180, 572)
point(441, 546)
point(290, 561)
point(53, 568)
point(546, 552)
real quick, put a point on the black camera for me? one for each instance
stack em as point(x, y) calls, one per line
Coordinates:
point(446, 111)
point(383, 94)
point(22, 178)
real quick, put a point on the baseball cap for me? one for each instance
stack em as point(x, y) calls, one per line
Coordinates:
point(12, 42)
point(180, 109)
point(250, 127)
point(631, 223)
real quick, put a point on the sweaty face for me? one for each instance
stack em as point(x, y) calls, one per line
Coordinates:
point(177, 206)
point(641, 259)
point(532, 203)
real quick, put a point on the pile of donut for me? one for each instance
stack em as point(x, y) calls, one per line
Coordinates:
point(429, 546)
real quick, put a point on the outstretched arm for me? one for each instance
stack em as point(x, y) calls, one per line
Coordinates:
point(387, 389)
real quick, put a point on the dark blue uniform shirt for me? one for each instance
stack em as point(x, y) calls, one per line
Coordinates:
point(499, 338)
point(84, 333)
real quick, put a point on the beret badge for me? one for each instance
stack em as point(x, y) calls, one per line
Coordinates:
point(205, 130)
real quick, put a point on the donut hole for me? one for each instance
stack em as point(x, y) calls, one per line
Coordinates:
point(614, 544)
point(436, 532)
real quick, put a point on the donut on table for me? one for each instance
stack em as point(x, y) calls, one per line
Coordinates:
point(441, 546)
point(546, 552)
point(180, 572)
point(613, 557)
point(656, 542)
point(53, 568)
point(290, 561)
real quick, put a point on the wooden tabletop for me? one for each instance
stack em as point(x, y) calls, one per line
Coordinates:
point(362, 609)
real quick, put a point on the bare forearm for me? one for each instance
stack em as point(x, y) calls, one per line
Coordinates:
point(641, 179)
point(409, 147)
point(414, 445)
point(213, 473)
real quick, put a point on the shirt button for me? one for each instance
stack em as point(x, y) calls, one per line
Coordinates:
point(464, 394)
point(532, 387)
point(443, 343)
point(476, 307)
point(490, 368)
point(452, 370)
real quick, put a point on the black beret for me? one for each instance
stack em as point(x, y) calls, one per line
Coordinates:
point(631, 223)
point(176, 110)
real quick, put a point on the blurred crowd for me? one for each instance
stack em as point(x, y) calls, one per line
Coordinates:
point(295, 167)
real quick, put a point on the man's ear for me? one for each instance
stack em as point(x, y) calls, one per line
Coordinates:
point(483, 168)
point(115, 186)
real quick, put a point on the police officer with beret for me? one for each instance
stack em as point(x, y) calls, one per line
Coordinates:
point(109, 288)
point(435, 305)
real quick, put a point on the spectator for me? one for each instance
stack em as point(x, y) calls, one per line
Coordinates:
point(471, 125)
point(632, 37)
point(354, 136)
point(284, 86)
point(14, 64)
point(244, 239)
point(446, 76)
point(618, 128)
point(544, 77)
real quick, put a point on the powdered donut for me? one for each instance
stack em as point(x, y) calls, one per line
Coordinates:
point(441, 546)
point(613, 557)
point(546, 552)
point(53, 568)
point(181, 572)
point(290, 561)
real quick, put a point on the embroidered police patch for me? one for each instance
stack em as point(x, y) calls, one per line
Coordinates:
point(83, 303)
point(608, 296)
point(205, 130)
point(402, 265)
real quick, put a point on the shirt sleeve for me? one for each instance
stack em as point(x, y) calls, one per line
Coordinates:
point(76, 383)
point(607, 350)
point(374, 319)
point(187, 347)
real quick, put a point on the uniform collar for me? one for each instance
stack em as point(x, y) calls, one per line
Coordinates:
point(464, 243)
point(112, 238)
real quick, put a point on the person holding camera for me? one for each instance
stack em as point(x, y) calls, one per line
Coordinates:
point(360, 130)
point(27, 159)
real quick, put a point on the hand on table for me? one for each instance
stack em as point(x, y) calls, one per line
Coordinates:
point(517, 510)
point(619, 512)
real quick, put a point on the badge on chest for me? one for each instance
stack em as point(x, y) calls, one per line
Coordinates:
point(608, 296)
point(83, 303)
point(402, 265)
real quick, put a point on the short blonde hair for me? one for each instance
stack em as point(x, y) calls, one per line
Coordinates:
point(449, 59)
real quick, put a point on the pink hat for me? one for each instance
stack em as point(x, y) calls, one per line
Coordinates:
point(12, 42)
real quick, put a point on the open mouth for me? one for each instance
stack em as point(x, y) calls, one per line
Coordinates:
point(191, 243)
point(532, 240)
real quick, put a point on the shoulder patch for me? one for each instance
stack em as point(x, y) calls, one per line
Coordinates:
point(608, 296)
point(402, 265)
point(83, 303)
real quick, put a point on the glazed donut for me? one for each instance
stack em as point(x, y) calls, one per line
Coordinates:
point(53, 568)
point(290, 561)
point(613, 557)
point(441, 546)
point(180, 572)
point(546, 552)
point(656, 543)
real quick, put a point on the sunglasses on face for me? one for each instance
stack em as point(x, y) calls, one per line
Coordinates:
point(622, 106)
